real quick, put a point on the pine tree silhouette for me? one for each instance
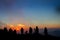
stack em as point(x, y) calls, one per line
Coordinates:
point(30, 30)
point(36, 30)
point(45, 31)
point(22, 30)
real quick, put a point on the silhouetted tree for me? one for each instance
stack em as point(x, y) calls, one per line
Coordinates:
point(30, 30)
point(22, 30)
point(45, 31)
point(36, 30)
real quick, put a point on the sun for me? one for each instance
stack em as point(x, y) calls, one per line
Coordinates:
point(21, 25)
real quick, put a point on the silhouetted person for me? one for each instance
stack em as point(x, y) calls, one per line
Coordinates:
point(14, 32)
point(1, 31)
point(45, 31)
point(26, 32)
point(5, 30)
point(30, 30)
point(22, 30)
point(10, 30)
point(36, 30)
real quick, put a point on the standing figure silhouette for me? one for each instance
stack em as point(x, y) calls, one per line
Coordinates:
point(36, 30)
point(22, 30)
point(30, 30)
point(45, 31)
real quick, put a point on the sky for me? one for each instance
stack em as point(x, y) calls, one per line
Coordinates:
point(30, 13)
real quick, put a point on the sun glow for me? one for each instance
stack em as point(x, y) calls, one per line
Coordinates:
point(21, 25)
point(16, 27)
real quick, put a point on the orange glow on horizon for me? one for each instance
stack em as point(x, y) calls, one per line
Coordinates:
point(16, 27)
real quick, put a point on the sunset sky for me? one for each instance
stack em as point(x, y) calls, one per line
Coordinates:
point(30, 13)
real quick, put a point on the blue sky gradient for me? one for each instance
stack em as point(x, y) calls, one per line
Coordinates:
point(29, 12)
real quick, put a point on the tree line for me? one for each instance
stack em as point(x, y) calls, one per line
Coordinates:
point(5, 34)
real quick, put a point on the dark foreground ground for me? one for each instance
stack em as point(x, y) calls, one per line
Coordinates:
point(11, 35)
